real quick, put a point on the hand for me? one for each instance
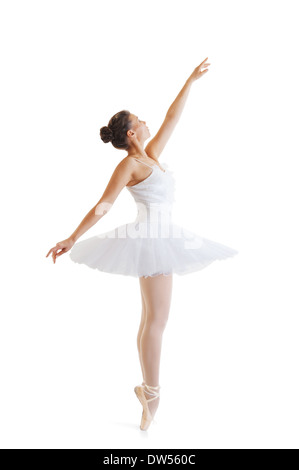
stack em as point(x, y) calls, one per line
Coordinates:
point(199, 71)
point(64, 246)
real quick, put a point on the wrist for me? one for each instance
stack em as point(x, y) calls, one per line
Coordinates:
point(190, 80)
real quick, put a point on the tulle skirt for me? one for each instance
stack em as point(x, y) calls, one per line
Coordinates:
point(143, 250)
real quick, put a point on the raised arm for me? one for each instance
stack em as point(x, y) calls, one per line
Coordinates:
point(119, 179)
point(156, 145)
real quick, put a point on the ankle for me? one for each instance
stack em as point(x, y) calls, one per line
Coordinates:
point(153, 392)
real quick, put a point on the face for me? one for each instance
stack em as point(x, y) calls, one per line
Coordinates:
point(140, 128)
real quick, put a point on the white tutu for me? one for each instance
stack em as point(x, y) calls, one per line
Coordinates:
point(152, 244)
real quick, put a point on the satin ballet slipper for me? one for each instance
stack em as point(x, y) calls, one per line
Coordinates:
point(146, 418)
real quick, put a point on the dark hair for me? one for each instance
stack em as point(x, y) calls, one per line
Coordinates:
point(116, 131)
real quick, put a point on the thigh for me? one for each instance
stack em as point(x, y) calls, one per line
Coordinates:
point(156, 293)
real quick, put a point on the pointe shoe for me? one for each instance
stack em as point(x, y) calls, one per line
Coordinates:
point(146, 415)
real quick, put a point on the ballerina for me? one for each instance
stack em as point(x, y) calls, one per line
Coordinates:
point(152, 248)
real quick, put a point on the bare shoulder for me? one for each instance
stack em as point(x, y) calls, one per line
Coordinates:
point(125, 167)
point(127, 162)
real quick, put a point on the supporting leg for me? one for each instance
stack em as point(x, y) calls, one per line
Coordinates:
point(157, 298)
point(140, 331)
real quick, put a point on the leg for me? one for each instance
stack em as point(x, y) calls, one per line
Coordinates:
point(140, 331)
point(157, 292)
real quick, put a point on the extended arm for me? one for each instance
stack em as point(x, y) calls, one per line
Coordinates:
point(175, 110)
point(119, 179)
point(89, 220)
point(157, 144)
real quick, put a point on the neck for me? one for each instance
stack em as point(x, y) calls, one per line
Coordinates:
point(137, 149)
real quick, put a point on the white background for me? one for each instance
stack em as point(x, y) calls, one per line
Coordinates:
point(69, 361)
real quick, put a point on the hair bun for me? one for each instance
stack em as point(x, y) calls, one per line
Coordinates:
point(106, 134)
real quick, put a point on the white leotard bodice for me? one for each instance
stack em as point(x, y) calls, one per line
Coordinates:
point(155, 194)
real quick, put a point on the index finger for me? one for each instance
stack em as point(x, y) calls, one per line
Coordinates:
point(52, 249)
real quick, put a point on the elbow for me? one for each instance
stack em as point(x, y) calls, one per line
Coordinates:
point(102, 208)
